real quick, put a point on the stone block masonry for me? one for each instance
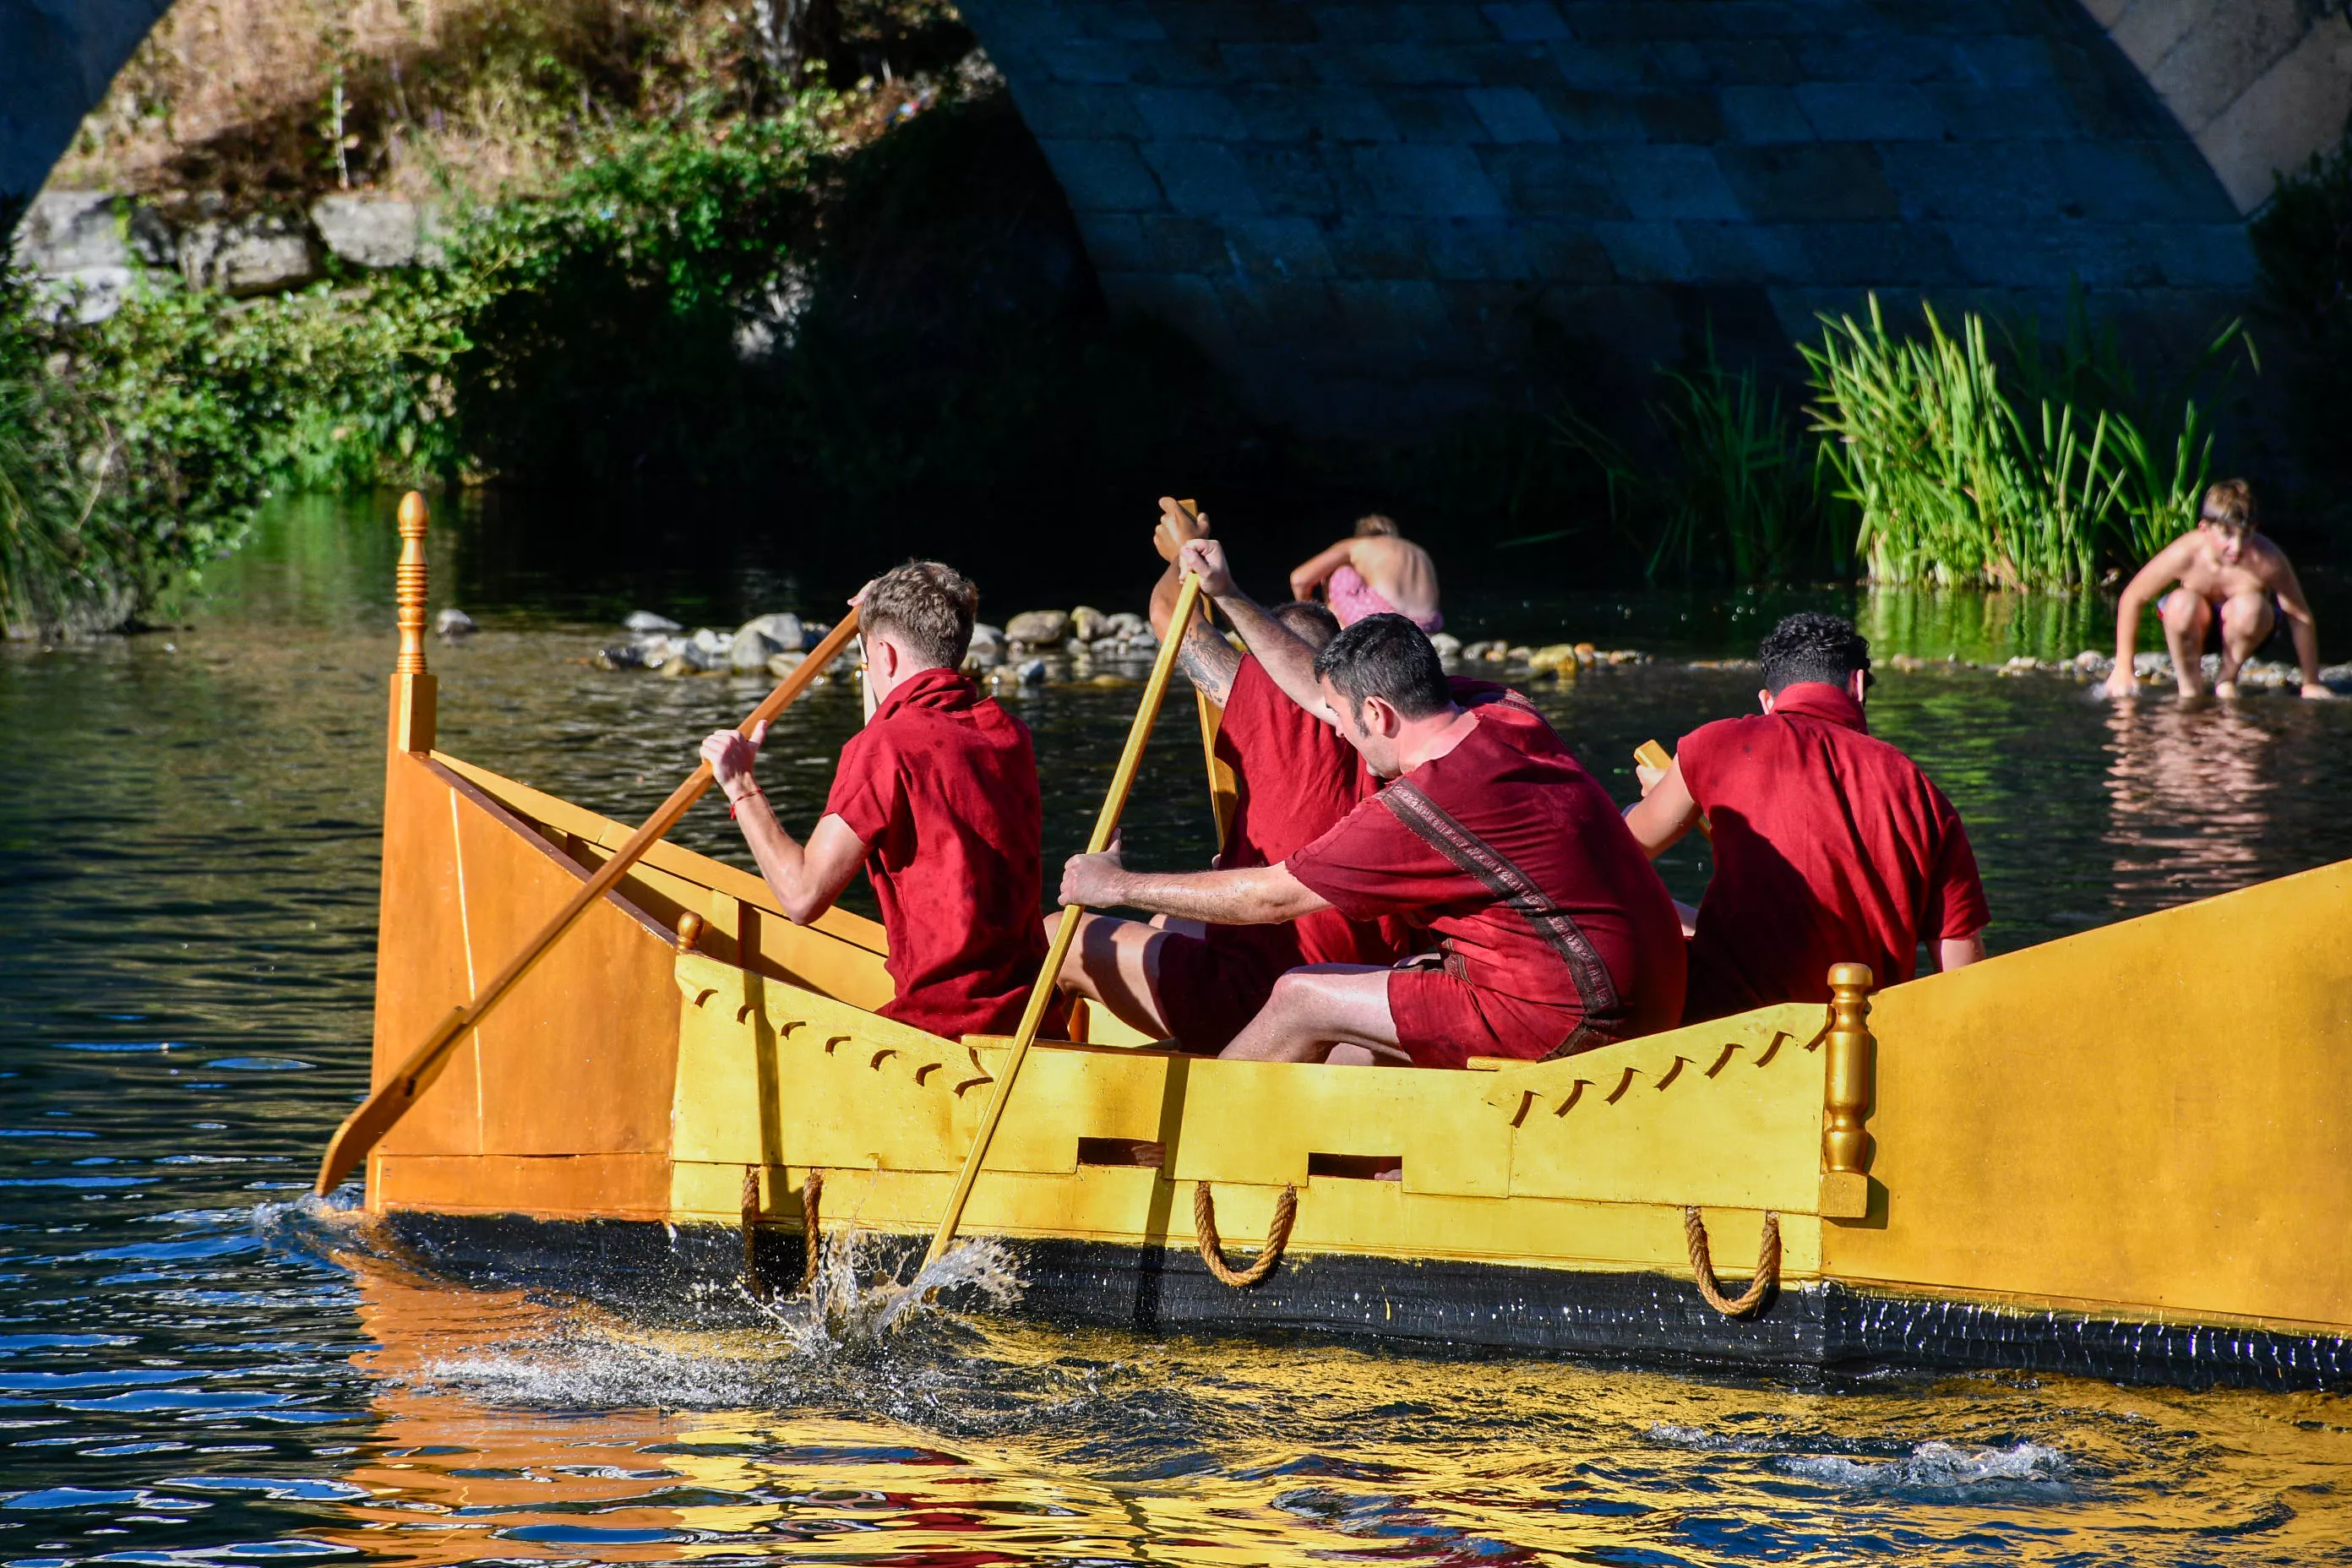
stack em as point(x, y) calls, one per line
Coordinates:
point(1370, 211)
point(1365, 208)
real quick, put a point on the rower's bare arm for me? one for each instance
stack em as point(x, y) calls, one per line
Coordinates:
point(1315, 570)
point(2163, 570)
point(805, 879)
point(1208, 660)
point(1287, 657)
point(1261, 895)
point(2302, 626)
point(1660, 818)
point(1959, 951)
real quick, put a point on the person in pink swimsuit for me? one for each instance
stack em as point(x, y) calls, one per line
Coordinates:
point(1376, 571)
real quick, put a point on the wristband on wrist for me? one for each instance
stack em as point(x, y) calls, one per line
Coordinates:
point(735, 800)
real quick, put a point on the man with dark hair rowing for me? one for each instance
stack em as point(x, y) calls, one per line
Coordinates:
point(1553, 934)
point(1831, 845)
point(1294, 778)
point(936, 796)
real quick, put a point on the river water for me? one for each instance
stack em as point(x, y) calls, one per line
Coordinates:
point(197, 1364)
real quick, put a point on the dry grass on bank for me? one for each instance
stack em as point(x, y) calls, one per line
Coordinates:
point(256, 103)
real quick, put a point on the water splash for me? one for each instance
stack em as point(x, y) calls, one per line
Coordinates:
point(855, 1300)
point(1938, 1467)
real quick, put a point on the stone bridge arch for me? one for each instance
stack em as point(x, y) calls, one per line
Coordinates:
point(1364, 209)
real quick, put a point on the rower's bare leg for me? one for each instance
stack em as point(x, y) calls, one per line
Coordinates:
point(2186, 617)
point(1116, 961)
point(1336, 1012)
point(2246, 620)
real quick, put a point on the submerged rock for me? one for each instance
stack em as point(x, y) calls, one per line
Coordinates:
point(454, 623)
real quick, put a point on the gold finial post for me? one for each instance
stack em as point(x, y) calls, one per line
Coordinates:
point(414, 706)
point(409, 584)
point(1849, 1079)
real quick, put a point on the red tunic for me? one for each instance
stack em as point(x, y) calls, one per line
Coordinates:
point(941, 784)
point(1831, 847)
point(1293, 778)
point(1557, 933)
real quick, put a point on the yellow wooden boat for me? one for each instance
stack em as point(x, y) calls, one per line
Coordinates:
point(2120, 1153)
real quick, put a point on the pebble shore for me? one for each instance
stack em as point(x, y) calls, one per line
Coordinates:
point(1087, 647)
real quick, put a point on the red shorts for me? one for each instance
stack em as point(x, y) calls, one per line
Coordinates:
point(1211, 986)
point(1442, 1020)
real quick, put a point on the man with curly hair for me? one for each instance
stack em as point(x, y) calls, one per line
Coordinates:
point(1831, 845)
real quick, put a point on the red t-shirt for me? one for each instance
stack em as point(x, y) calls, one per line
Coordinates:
point(1517, 861)
point(1831, 847)
point(942, 786)
point(1293, 778)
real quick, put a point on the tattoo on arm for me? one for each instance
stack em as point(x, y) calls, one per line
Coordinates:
point(1208, 661)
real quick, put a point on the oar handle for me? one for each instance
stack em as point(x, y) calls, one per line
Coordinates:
point(382, 1110)
point(1041, 995)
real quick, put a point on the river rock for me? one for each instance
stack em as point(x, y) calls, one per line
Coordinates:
point(642, 621)
point(681, 664)
point(1038, 628)
point(1089, 624)
point(1127, 623)
point(369, 231)
point(1553, 656)
point(264, 253)
point(749, 649)
point(711, 643)
point(1447, 644)
point(783, 664)
point(621, 656)
point(782, 629)
point(1031, 671)
point(454, 623)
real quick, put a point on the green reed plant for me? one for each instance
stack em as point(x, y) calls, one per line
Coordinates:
point(1734, 497)
point(1957, 483)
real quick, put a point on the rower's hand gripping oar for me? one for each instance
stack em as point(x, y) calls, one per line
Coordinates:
point(1041, 995)
point(377, 1115)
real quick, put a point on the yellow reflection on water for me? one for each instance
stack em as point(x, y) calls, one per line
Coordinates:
point(517, 1431)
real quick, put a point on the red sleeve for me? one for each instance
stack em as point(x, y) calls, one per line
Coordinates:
point(1956, 900)
point(867, 792)
point(1696, 753)
point(1370, 865)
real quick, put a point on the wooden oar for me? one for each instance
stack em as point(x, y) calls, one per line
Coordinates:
point(1040, 995)
point(1222, 795)
point(377, 1115)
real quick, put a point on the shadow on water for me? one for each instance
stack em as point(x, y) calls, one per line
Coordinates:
point(197, 1366)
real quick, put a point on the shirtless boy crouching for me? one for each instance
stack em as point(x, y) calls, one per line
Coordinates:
point(2230, 579)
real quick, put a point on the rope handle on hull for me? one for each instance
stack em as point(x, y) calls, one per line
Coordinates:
point(1212, 1247)
point(1767, 1266)
point(811, 1196)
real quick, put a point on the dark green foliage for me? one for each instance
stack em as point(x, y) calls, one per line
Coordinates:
point(602, 318)
point(2303, 241)
point(1734, 496)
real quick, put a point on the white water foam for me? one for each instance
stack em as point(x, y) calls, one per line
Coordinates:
point(828, 1336)
point(1937, 1467)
